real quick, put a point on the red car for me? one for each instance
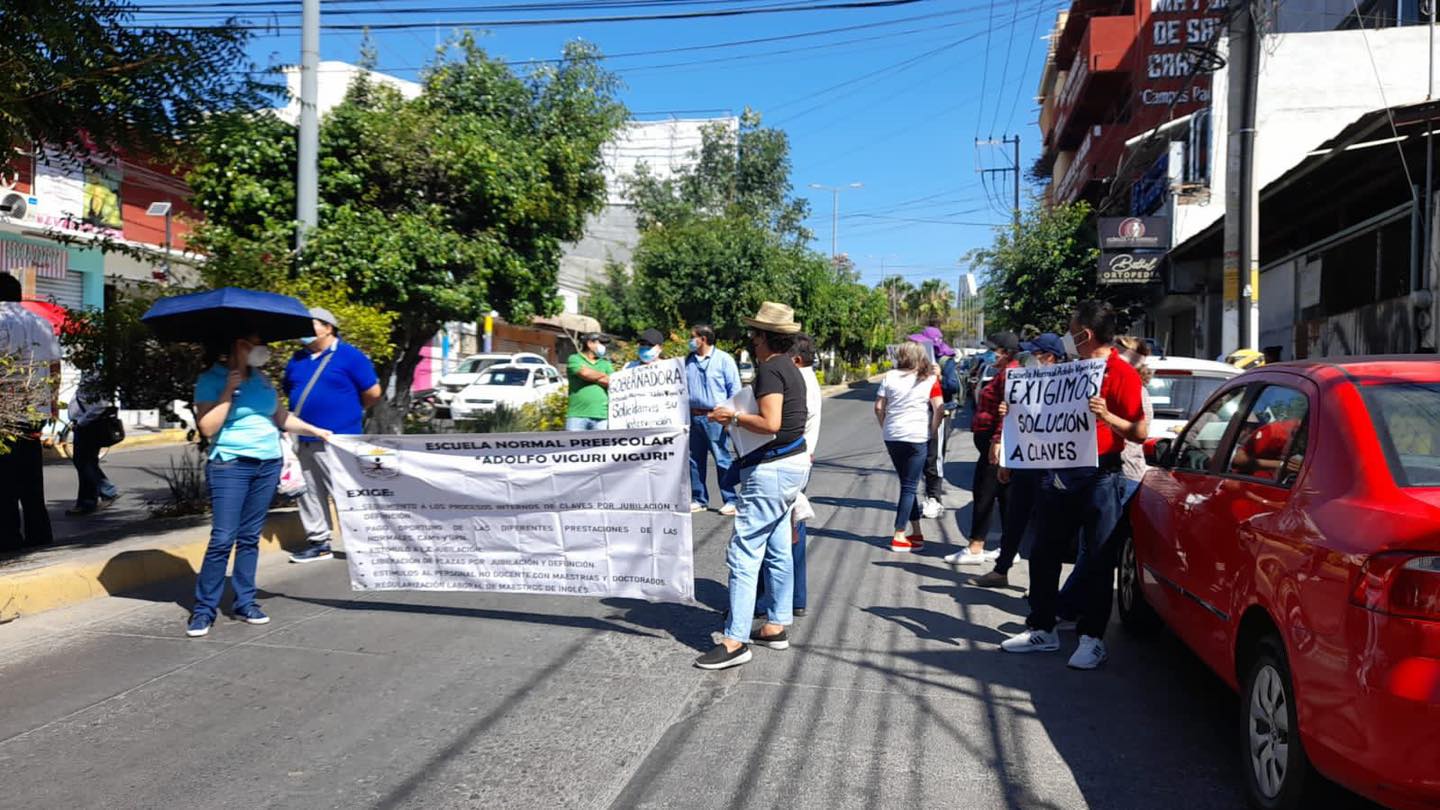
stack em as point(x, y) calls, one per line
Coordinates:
point(1290, 536)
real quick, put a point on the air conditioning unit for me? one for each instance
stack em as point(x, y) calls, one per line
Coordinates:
point(15, 206)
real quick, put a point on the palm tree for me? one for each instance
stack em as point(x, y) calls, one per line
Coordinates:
point(897, 296)
point(933, 301)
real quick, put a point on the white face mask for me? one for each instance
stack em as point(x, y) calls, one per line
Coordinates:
point(1068, 340)
point(257, 356)
point(649, 353)
point(599, 349)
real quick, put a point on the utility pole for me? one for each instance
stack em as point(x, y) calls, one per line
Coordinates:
point(307, 175)
point(1242, 198)
point(835, 211)
point(1014, 143)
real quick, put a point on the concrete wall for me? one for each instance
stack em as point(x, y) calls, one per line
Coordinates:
point(1312, 85)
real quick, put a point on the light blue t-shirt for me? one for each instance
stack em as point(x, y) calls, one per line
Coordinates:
point(249, 430)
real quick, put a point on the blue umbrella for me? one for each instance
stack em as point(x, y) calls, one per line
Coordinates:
point(227, 313)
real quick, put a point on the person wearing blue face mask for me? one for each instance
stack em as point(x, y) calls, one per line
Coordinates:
point(329, 384)
point(650, 342)
point(712, 377)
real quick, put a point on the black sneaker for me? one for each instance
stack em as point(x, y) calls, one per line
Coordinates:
point(779, 641)
point(799, 613)
point(994, 579)
point(315, 553)
point(721, 658)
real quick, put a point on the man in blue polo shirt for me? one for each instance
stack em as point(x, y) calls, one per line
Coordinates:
point(332, 383)
point(712, 377)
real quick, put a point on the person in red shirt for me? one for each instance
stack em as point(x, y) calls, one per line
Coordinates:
point(1085, 500)
point(986, 489)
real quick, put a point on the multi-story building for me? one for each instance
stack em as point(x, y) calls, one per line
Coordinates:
point(1132, 124)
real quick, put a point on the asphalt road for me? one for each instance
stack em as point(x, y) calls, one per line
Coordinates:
point(140, 476)
point(894, 693)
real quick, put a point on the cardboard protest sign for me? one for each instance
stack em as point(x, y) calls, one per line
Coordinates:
point(1048, 424)
point(650, 396)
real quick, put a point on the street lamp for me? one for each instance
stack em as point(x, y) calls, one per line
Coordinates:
point(834, 209)
point(162, 209)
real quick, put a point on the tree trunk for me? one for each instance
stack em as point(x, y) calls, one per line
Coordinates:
point(388, 415)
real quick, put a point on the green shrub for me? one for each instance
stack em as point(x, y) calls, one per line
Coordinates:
point(547, 414)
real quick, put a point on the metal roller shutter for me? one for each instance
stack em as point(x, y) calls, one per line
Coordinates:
point(68, 292)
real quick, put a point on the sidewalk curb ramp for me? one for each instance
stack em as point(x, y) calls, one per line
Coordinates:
point(73, 574)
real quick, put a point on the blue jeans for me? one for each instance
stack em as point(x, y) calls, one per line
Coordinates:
point(1087, 501)
point(909, 461)
point(585, 423)
point(1021, 493)
point(240, 495)
point(708, 437)
point(762, 535)
point(1071, 598)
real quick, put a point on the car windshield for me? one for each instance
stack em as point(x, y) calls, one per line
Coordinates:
point(1180, 396)
point(477, 365)
point(504, 376)
point(1407, 418)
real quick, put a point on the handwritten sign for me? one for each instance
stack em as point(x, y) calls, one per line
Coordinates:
point(650, 396)
point(1048, 424)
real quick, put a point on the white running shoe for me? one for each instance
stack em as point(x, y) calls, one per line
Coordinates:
point(729, 510)
point(965, 557)
point(696, 506)
point(992, 555)
point(1090, 654)
point(933, 508)
point(1031, 641)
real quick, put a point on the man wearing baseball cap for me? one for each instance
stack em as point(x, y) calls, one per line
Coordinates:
point(332, 383)
point(651, 341)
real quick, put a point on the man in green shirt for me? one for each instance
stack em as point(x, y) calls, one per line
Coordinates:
point(589, 383)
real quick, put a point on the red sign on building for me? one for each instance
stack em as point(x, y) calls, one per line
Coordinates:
point(1172, 33)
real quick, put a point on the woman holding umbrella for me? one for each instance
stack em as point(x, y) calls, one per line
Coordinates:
point(237, 409)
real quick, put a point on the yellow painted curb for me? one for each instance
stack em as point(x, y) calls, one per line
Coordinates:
point(93, 573)
point(150, 439)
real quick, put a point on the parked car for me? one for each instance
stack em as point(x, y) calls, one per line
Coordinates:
point(747, 372)
point(1181, 385)
point(1290, 536)
point(512, 385)
point(470, 369)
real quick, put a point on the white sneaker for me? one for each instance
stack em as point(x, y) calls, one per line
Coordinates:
point(966, 558)
point(1089, 655)
point(1031, 641)
point(933, 508)
point(992, 555)
point(728, 510)
point(696, 506)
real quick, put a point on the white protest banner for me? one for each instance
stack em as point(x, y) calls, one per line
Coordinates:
point(650, 396)
point(597, 513)
point(1048, 424)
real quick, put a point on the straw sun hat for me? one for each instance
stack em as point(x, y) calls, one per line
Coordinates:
point(774, 317)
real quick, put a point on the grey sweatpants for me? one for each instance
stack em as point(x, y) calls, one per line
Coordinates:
point(315, 503)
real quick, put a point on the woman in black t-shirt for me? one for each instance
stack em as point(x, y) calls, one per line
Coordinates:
point(770, 479)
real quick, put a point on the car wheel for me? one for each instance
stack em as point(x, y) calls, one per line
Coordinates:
point(1277, 772)
point(1135, 613)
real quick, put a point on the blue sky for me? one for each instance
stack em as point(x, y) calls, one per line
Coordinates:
point(895, 105)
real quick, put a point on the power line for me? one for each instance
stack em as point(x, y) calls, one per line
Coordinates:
point(1005, 73)
point(839, 5)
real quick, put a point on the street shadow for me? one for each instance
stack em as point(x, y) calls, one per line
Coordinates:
point(859, 392)
point(932, 625)
point(854, 503)
point(150, 574)
point(368, 606)
point(691, 625)
point(838, 534)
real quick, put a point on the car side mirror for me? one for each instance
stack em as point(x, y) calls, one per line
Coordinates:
point(1157, 452)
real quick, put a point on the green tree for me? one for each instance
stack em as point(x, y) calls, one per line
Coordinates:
point(933, 301)
point(725, 235)
point(433, 209)
point(1036, 276)
point(80, 75)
